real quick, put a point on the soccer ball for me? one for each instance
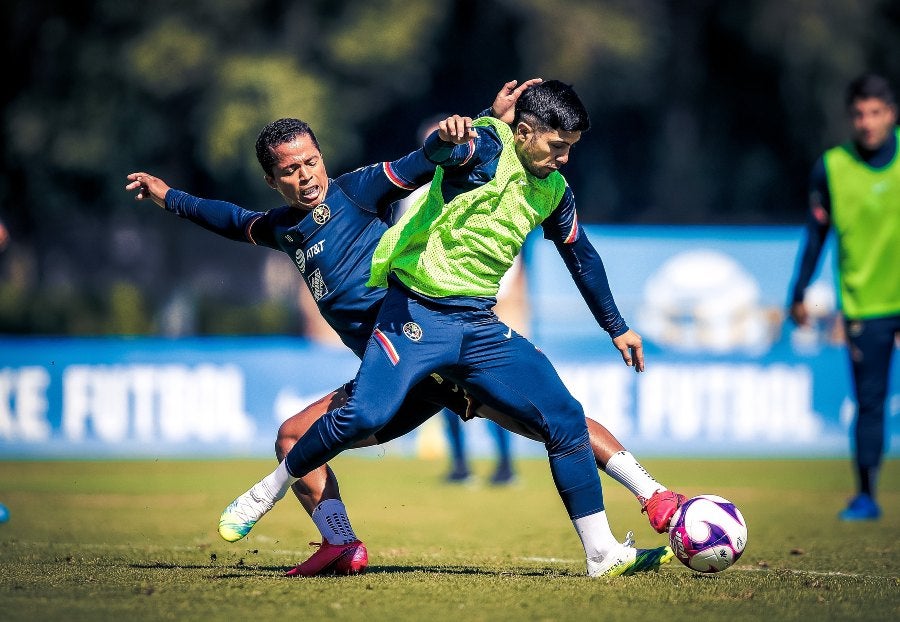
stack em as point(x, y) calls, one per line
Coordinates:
point(708, 533)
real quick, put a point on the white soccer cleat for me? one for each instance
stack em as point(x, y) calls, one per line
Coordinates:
point(624, 559)
point(239, 517)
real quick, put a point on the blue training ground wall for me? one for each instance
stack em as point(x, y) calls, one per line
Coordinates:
point(726, 374)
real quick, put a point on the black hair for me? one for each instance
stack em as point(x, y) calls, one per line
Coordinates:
point(277, 133)
point(869, 86)
point(552, 105)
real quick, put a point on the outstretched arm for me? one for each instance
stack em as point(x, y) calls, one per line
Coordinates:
point(445, 146)
point(452, 144)
point(378, 186)
point(226, 219)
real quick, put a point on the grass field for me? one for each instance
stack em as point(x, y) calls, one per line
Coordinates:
point(137, 540)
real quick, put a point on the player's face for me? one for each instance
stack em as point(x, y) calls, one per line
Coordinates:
point(543, 151)
point(299, 173)
point(873, 121)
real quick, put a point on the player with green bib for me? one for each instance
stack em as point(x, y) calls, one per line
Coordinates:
point(442, 263)
point(855, 189)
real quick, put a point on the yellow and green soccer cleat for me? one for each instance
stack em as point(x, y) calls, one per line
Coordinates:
point(239, 517)
point(627, 560)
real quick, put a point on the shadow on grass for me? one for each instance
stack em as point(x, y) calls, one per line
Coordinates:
point(242, 571)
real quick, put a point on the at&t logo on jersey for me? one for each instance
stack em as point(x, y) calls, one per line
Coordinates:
point(315, 249)
point(412, 330)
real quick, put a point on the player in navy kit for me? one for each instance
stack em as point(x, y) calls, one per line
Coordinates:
point(526, 385)
point(330, 228)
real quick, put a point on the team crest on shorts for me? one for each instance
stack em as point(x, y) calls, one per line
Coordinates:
point(412, 330)
point(321, 214)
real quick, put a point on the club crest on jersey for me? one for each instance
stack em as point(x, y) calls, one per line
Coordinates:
point(321, 214)
point(412, 330)
point(300, 260)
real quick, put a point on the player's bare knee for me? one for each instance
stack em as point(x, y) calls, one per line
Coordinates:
point(285, 440)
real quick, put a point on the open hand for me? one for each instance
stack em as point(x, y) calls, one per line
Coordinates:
point(148, 187)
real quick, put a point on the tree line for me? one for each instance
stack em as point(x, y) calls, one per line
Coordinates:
point(703, 112)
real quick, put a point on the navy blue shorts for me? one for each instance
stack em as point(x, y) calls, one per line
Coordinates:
point(414, 338)
point(423, 401)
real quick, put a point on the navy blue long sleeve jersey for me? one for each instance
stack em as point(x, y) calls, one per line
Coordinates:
point(332, 245)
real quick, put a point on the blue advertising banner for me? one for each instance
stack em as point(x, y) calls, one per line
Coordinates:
point(139, 397)
point(726, 373)
point(726, 370)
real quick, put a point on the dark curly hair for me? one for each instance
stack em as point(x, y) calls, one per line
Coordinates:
point(277, 133)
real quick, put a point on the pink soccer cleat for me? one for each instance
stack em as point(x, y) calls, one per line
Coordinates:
point(343, 559)
point(660, 507)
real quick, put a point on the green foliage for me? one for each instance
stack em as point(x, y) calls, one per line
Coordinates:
point(587, 39)
point(170, 58)
point(274, 317)
point(250, 94)
point(97, 540)
point(127, 310)
point(704, 112)
point(386, 41)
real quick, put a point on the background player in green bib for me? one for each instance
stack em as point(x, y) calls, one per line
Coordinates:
point(855, 190)
point(442, 262)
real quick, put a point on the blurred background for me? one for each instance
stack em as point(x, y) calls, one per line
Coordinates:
point(707, 117)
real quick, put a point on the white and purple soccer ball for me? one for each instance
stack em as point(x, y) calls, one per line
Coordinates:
point(708, 533)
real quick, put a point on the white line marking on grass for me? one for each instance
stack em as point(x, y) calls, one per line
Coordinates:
point(815, 573)
point(156, 548)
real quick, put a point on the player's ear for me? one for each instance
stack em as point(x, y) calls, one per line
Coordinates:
point(270, 181)
point(523, 131)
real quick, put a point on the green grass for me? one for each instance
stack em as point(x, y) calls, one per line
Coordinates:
point(136, 540)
